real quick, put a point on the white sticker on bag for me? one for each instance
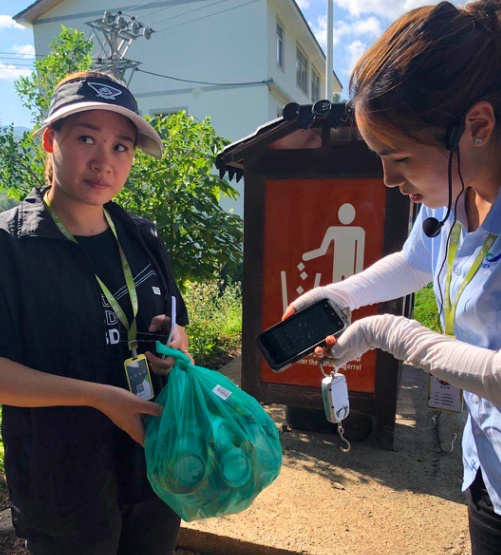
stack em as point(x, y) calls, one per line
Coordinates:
point(222, 392)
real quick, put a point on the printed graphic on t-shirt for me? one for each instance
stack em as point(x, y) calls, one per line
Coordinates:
point(145, 280)
point(103, 252)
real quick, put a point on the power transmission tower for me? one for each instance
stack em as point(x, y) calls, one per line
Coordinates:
point(118, 31)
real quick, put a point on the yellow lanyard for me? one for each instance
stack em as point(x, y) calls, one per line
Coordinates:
point(450, 308)
point(129, 280)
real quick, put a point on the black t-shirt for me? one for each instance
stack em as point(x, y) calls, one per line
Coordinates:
point(103, 252)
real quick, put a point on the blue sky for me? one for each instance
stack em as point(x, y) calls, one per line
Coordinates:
point(357, 23)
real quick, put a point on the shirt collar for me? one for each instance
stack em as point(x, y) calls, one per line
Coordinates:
point(34, 219)
point(492, 223)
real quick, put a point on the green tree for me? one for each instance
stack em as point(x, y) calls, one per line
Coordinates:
point(6, 202)
point(21, 164)
point(181, 195)
point(69, 52)
point(22, 161)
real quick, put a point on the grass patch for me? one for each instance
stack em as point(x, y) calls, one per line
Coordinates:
point(425, 308)
point(215, 329)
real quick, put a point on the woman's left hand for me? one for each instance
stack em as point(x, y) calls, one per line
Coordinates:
point(179, 341)
point(465, 366)
point(405, 339)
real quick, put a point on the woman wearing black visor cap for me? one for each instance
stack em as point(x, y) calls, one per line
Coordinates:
point(84, 287)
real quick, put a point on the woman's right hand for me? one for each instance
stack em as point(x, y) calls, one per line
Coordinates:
point(21, 386)
point(126, 410)
point(306, 300)
point(332, 292)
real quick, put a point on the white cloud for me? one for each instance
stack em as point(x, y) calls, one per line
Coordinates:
point(10, 72)
point(389, 9)
point(27, 50)
point(354, 51)
point(369, 27)
point(6, 22)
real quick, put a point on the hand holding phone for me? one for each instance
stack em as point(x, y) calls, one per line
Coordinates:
point(299, 335)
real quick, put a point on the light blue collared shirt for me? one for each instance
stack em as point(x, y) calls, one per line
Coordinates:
point(478, 322)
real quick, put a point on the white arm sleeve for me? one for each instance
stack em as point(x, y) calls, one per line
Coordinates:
point(465, 366)
point(389, 278)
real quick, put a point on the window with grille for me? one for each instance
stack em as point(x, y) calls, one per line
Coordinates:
point(280, 44)
point(301, 70)
point(315, 85)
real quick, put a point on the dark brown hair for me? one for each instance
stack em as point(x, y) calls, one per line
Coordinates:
point(57, 125)
point(428, 68)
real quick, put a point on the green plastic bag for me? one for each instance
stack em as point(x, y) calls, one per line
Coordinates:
point(214, 449)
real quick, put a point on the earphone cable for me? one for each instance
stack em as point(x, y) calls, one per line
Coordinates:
point(447, 243)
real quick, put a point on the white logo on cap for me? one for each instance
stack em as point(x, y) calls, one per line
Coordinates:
point(105, 91)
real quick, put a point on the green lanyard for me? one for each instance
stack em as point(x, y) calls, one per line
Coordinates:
point(450, 308)
point(129, 280)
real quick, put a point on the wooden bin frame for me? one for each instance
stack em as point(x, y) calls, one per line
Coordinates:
point(352, 160)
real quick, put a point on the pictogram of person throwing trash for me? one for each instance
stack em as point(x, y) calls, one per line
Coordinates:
point(349, 245)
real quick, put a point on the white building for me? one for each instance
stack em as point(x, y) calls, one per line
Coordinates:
point(237, 61)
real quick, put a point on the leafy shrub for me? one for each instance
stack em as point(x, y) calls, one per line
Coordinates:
point(215, 327)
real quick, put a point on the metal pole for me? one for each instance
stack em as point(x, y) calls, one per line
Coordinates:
point(329, 61)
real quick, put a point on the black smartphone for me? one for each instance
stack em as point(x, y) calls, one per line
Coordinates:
point(294, 338)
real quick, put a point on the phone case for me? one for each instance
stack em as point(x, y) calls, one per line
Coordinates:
point(265, 343)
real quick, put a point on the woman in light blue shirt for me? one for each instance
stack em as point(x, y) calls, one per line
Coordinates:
point(427, 100)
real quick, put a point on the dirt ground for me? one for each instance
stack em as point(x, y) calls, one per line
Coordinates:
point(365, 502)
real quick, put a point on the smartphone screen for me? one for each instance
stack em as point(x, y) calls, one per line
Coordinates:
point(296, 337)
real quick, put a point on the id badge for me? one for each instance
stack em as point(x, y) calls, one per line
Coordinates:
point(443, 396)
point(138, 377)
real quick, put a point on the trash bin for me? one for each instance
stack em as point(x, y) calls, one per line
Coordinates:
point(315, 212)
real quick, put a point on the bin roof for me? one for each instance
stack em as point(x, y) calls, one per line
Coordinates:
point(300, 127)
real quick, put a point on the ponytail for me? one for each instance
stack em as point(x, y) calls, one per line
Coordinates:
point(428, 67)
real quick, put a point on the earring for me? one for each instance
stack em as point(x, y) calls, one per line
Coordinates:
point(477, 141)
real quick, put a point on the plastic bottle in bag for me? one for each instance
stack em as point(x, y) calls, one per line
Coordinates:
point(189, 466)
point(262, 439)
point(234, 463)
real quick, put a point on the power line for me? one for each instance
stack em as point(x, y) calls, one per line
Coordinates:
point(156, 11)
point(20, 54)
point(142, 5)
point(6, 63)
point(18, 63)
point(207, 16)
point(12, 60)
point(18, 68)
point(263, 82)
point(189, 11)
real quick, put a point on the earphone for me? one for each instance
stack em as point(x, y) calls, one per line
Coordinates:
point(431, 226)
